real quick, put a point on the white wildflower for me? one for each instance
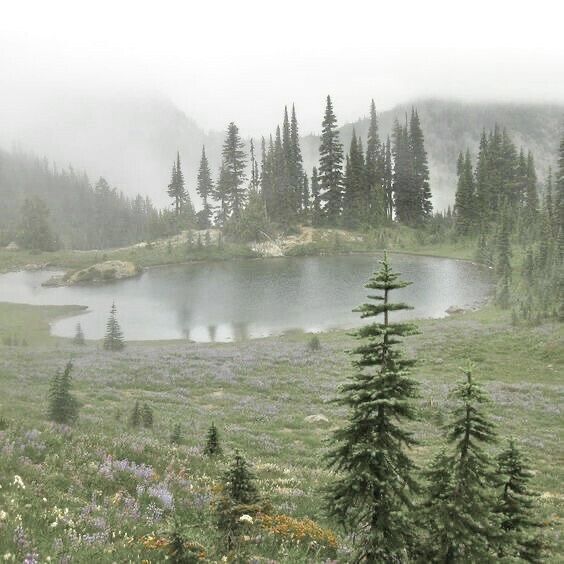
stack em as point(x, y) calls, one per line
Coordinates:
point(18, 482)
point(246, 519)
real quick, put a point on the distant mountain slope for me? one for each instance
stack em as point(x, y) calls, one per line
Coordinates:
point(132, 141)
point(451, 127)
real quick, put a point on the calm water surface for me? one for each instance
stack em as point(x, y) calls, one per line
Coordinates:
point(250, 298)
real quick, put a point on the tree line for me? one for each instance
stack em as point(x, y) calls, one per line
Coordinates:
point(498, 203)
point(360, 189)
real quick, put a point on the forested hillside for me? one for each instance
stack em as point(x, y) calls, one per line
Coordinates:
point(451, 127)
point(80, 215)
point(133, 141)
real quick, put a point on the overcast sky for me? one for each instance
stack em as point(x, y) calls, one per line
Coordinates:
point(243, 60)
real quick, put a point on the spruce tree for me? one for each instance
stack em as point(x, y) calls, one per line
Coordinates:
point(176, 188)
point(388, 180)
point(147, 415)
point(407, 198)
point(355, 197)
point(297, 175)
point(113, 340)
point(465, 204)
point(239, 482)
point(331, 167)
point(234, 163)
point(136, 416)
point(515, 507)
point(305, 196)
point(63, 407)
point(458, 510)
point(205, 189)
point(79, 335)
point(503, 262)
point(212, 447)
point(372, 493)
point(531, 195)
point(222, 195)
point(376, 209)
point(420, 167)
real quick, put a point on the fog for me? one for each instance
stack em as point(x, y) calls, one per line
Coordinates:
point(243, 61)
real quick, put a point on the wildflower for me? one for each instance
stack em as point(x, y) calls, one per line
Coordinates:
point(3, 515)
point(7, 556)
point(246, 519)
point(18, 482)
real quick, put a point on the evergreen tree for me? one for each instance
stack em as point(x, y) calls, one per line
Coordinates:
point(515, 507)
point(113, 340)
point(483, 194)
point(35, 232)
point(503, 263)
point(63, 407)
point(316, 212)
point(331, 167)
point(234, 163)
point(372, 493)
point(176, 435)
point(239, 481)
point(79, 335)
point(406, 197)
point(420, 167)
point(296, 169)
point(388, 179)
point(176, 188)
point(305, 195)
point(147, 415)
point(222, 195)
point(205, 189)
point(465, 204)
point(355, 198)
point(254, 183)
point(212, 447)
point(375, 155)
point(531, 195)
point(458, 511)
point(136, 416)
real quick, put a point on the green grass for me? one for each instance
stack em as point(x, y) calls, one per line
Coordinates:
point(258, 393)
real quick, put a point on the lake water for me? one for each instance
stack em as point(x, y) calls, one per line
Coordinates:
point(235, 300)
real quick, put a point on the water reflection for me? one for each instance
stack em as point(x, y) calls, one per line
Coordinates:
point(240, 300)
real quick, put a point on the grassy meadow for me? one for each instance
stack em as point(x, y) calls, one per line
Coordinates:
point(104, 492)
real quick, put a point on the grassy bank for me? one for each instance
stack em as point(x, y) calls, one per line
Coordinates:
point(259, 394)
point(322, 241)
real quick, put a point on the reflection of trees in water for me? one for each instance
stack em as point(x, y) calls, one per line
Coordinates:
point(240, 331)
point(184, 315)
point(212, 330)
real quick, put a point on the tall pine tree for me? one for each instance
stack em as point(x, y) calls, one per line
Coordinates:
point(205, 190)
point(233, 167)
point(176, 188)
point(331, 167)
point(113, 340)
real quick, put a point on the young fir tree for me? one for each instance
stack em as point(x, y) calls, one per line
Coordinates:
point(515, 506)
point(176, 188)
point(205, 190)
point(63, 407)
point(147, 415)
point(458, 510)
point(176, 435)
point(212, 447)
point(372, 493)
point(113, 340)
point(239, 497)
point(234, 163)
point(331, 167)
point(239, 482)
point(136, 415)
point(79, 335)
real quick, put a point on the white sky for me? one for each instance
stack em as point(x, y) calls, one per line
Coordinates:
point(243, 60)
